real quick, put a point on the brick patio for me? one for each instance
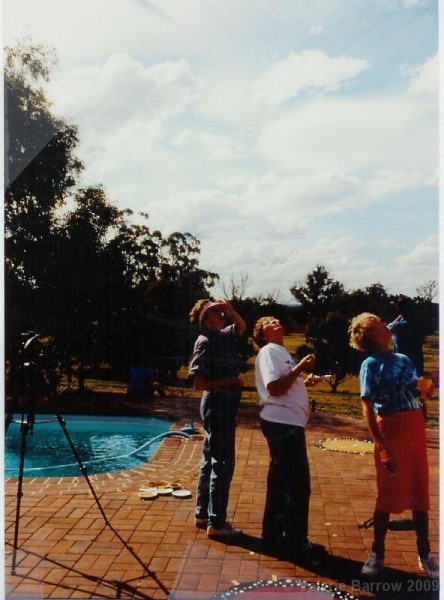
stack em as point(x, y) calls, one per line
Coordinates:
point(151, 549)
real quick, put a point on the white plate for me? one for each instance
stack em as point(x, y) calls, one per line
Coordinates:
point(148, 494)
point(164, 491)
point(182, 493)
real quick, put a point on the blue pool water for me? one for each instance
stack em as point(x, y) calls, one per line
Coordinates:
point(103, 445)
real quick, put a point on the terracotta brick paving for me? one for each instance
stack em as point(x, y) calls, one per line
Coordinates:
point(151, 549)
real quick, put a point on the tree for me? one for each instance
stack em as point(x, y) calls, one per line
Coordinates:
point(328, 335)
point(372, 299)
point(427, 309)
point(329, 310)
point(169, 297)
point(237, 289)
point(318, 293)
point(271, 298)
point(428, 291)
point(91, 288)
point(40, 166)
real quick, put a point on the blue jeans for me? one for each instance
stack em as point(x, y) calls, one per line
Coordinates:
point(219, 410)
point(288, 484)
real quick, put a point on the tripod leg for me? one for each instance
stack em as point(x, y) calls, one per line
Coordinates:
point(62, 423)
point(82, 467)
point(24, 428)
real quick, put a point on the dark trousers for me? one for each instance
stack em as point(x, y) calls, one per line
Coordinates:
point(288, 484)
point(219, 410)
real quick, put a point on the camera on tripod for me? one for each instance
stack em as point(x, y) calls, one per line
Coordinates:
point(35, 370)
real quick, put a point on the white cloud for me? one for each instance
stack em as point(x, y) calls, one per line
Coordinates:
point(123, 110)
point(351, 134)
point(416, 266)
point(293, 203)
point(425, 78)
point(228, 98)
point(106, 97)
point(136, 145)
point(316, 30)
point(217, 147)
point(384, 183)
point(85, 32)
point(277, 265)
point(424, 255)
point(310, 69)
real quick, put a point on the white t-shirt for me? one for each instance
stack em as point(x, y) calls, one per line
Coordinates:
point(272, 362)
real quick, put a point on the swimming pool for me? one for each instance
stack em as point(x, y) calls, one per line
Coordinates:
point(104, 444)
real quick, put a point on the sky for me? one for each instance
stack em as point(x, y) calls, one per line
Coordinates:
point(283, 134)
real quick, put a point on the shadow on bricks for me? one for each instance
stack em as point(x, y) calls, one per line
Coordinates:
point(391, 583)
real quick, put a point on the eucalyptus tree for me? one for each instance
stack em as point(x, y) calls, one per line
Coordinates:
point(40, 169)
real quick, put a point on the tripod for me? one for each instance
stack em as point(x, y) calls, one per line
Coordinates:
point(37, 371)
point(31, 375)
point(26, 427)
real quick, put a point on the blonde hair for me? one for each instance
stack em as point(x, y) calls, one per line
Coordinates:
point(360, 332)
point(258, 329)
point(195, 311)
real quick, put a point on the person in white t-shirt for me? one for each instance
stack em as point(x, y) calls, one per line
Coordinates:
point(283, 417)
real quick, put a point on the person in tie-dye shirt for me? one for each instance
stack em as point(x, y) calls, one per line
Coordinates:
point(395, 418)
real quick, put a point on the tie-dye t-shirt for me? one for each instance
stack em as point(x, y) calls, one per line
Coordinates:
point(389, 381)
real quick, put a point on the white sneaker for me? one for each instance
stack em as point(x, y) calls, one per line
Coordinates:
point(372, 565)
point(228, 531)
point(429, 565)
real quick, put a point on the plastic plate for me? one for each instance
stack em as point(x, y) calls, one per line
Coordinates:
point(182, 493)
point(164, 491)
point(148, 494)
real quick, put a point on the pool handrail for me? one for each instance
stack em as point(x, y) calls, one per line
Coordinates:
point(155, 439)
